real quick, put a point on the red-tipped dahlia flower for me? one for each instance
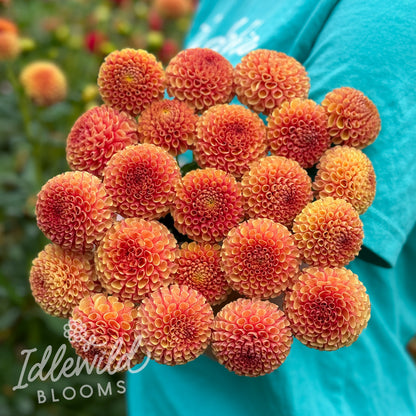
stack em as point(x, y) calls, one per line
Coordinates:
point(353, 119)
point(201, 77)
point(169, 124)
point(277, 188)
point(130, 79)
point(298, 130)
point(229, 137)
point(208, 204)
point(96, 136)
point(155, 20)
point(44, 82)
point(94, 41)
point(60, 278)
point(74, 211)
point(199, 267)
point(175, 323)
point(328, 308)
point(260, 258)
point(135, 258)
point(168, 50)
point(103, 331)
point(264, 79)
point(141, 179)
point(346, 172)
point(251, 337)
point(328, 232)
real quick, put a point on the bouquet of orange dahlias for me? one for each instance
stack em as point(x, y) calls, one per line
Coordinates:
point(238, 251)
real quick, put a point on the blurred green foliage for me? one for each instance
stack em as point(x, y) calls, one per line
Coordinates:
point(76, 35)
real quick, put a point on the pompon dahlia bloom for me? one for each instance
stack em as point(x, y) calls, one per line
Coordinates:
point(7, 26)
point(298, 130)
point(130, 79)
point(96, 136)
point(170, 124)
point(264, 79)
point(353, 119)
point(173, 8)
point(229, 137)
point(9, 40)
point(154, 19)
point(201, 77)
point(175, 323)
point(44, 82)
point(95, 40)
point(74, 211)
point(260, 258)
point(346, 172)
point(136, 257)
point(328, 308)
point(60, 278)
point(9, 46)
point(103, 331)
point(276, 188)
point(208, 204)
point(141, 180)
point(328, 232)
point(199, 267)
point(251, 337)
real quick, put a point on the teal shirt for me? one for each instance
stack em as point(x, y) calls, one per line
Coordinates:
point(369, 46)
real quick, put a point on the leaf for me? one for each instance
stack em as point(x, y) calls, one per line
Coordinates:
point(189, 167)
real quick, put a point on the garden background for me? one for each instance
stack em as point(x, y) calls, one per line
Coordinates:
point(76, 35)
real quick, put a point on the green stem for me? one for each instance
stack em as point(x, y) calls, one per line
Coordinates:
point(26, 119)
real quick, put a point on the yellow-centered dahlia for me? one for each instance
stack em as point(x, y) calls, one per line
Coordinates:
point(44, 82)
point(346, 172)
point(74, 211)
point(251, 337)
point(199, 267)
point(328, 232)
point(276, 188)
point(201, 77)
point(298, 130)
point(328, 308)
point(264, 79)
point(103, 331)
point(96, 136)
point(229, 137)
point(170, 124)
point(175, 323)
point(353, 119)
point(260, 258)
point(141, 180)
point(135, 258)
point(60, 278)
point(130, 79)
point(208, 204)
